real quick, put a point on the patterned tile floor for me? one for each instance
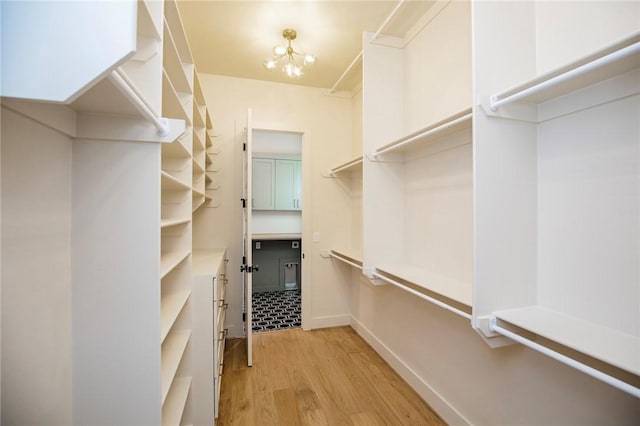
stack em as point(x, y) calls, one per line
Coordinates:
point(276, 310)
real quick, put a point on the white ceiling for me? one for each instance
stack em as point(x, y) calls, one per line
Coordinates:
point(235, 37)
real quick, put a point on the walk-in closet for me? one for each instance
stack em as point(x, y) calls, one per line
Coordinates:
point(332, 212)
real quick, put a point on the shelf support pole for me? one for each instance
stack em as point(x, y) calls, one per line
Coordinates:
point(129, 90)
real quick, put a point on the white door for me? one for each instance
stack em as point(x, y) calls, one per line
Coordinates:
point(247, 258)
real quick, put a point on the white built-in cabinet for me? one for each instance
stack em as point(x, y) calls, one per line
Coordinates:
point(276, 183)
point(209, 290)
point(515, 203)
point(263, 183)
point(143, 164)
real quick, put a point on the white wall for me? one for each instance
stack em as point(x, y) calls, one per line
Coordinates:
point(36, 273)
point(276, 222)
point(326, 122)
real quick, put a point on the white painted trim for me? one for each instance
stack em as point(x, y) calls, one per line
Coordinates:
point(436, 401)
point(329, 321)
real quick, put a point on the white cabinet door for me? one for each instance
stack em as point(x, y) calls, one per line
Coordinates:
point(297, 184)
point(285, 185)
point(263, 184)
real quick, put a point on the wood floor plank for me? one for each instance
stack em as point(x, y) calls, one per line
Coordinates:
point(287, 407)
point(368, 418)
point(319, 378)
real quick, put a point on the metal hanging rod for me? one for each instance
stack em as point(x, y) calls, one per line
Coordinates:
point(597, 374)
point(495, 102)
point(421, 135)
point(359, 56)
point(342, 259)
point(424, 296)
point(346, 166)
point(119, 79)
point(386, 21)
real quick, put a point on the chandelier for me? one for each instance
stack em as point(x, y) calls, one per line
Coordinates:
point(291, 69)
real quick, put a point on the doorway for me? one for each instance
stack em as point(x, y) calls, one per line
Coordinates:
point(276, 230)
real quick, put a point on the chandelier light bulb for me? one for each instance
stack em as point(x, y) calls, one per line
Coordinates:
point(309, 59)
point(279, 50)
point(288, 69)
point(270, 64)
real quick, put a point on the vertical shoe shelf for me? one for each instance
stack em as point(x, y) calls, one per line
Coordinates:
point(179, 196)
point(350, 176)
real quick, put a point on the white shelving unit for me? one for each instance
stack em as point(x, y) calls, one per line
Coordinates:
point(349, 176)
point(170, 307)
point(179, 176)
point(125, 95)
point(139, 87)
point(556, 184)
point(173, 407)
point(173, 349)
point(417, 190)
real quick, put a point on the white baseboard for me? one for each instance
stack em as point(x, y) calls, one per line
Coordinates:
point(325, 322)
point(441, 406)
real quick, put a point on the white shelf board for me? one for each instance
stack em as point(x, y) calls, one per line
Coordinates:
point(170, 260)
point(173, 349)
point(166, 223)
point(451, 124)
point(197, 167)
point(172, 104)
point(170, 183)
point(172, 64)
point(198, 138)
point(170, 307)
point(582, 80)
point(172, 15)
point(146, 25)
point(606, 344)
point(174, 405)
point(198, 119)
point(176, 149)
point(354, 166)
point(198, 93)
point(456, 290)
point(207, 261)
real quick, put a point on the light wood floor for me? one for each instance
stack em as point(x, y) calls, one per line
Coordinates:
point(321, 377)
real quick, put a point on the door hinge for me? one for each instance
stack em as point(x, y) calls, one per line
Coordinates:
point(244, 146)
point(244, 202)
